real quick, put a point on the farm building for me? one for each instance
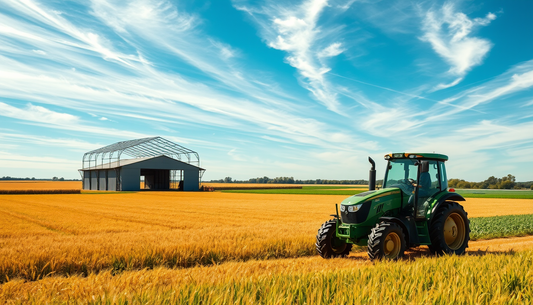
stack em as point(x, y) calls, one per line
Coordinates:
point(143, 164)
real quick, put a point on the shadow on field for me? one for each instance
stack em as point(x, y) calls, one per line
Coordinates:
point(423, 252)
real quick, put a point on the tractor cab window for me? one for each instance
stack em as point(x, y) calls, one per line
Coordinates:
point(429, 180)
point(443, 178)
point(402, 174)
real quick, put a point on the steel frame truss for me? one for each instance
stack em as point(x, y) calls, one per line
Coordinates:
point(139, 148)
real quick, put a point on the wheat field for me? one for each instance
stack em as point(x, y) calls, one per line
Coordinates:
point(93, 244)
point(39, 185)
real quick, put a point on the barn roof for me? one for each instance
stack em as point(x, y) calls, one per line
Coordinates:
point(126, 162)
point(139, 148)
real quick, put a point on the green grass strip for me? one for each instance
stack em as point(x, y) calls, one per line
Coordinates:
point(300, 191)
point(351, 190)
point(308, 190)
point(510, 194)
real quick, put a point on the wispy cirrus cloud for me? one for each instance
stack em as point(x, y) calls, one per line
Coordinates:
point(121, 80)
point(37, 114)
point(406, 119)
point(449, 33)
point(295, 30)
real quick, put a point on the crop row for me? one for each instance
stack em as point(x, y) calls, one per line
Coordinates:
point(28, 192)
point(134, 251)
point(501, 226)
point(481, 278)
point(44, 235)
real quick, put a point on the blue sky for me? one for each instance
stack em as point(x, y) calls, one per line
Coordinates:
point(306, 89)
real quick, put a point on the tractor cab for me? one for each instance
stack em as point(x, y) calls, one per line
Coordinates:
point(418, 176)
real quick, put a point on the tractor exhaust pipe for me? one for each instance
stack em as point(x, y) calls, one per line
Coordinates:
point(372, 175)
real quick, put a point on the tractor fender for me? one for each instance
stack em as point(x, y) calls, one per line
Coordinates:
point(408, 225)
point(444, 198)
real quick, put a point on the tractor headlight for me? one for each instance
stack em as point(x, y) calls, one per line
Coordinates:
point(343, 208)
point(354, 208)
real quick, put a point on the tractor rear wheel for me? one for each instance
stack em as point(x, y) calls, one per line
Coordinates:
point(386, 241)
point(450, 230)
point(328, 245)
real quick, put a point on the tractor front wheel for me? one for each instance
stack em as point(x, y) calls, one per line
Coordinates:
point(328, 245)
point(386, 241)
point(449, 230)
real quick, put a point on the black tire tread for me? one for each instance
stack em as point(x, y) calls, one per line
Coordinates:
point(438, 244)
point(323, 241)
point(377, 236)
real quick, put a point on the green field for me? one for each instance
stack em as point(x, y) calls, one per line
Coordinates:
point(308, 190)
point(501, 226)
point(481, 193)
point(477, 278)
point(352, 190)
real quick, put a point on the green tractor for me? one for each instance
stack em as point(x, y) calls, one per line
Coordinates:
point(414, 207)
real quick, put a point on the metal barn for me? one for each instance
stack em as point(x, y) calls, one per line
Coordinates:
point(142, 164)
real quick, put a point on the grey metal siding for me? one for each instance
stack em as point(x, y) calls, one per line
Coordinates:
point(191, 180)
point(94, 180)
point(111, 180)
point(86, 180)
point(102, 180)
point(130, 179)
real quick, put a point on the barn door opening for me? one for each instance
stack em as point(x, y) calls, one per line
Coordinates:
point(155, 179)
point(176, 180)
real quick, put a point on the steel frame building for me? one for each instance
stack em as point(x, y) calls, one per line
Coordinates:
point(154, 163)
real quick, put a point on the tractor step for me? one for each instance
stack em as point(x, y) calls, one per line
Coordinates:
point(423, 233)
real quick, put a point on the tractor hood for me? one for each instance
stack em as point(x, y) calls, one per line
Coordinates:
point(356, 209)
point(368, 195)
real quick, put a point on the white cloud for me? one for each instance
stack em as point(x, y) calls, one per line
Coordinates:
point(40, 52)
point(71, 144)
point(17, 161)
point(236, 156)
point(346, 5)
point(405, 117)
point(449, 33)
point(444, 86)
point(295, 30)
point(226, 51)
point(37, 114)
point(332, 50)
point(73, 76)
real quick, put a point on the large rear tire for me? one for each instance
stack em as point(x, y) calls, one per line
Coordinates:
point(328, 245)
point(386, 241)
point(450, 230)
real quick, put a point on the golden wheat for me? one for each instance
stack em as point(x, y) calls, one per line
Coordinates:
point(480, 278)
point(107, 236)
point(39, 185)
point(79, 234)
point(70, 234)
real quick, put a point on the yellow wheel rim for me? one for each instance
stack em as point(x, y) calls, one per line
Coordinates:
point(392, 245)
point(454, 231)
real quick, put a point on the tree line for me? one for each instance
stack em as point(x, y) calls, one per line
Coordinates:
point(33, 178)
point(288, 180)
point(506, 182)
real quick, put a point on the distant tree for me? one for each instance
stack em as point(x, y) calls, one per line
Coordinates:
point(55, 178)
point(228, 180)
point(61, 179)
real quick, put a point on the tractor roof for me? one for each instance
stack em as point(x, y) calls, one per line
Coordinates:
point(438, 157)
